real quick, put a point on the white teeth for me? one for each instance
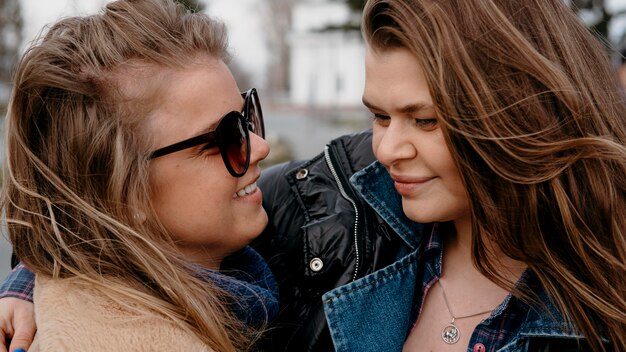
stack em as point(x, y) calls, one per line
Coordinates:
point(246, 190)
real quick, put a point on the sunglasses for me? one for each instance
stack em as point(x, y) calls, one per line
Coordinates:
point(231, 136)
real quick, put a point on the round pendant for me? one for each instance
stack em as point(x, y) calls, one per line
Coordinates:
point(450, 334)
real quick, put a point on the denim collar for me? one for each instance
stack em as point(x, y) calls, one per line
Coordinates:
point(544, 319)
point(376, 187)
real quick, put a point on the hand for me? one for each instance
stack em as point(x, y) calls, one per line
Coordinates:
point(17, 323)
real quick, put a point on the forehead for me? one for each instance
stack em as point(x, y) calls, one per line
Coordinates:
point(394, 79)
point(192, 100)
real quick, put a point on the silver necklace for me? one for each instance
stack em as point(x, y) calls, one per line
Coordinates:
point(451, 333)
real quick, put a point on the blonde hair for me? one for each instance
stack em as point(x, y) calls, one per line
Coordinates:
point(535, 119)
point(78, 169)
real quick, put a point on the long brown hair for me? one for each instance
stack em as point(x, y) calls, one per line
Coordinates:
point(535, 119)
point(77, 197)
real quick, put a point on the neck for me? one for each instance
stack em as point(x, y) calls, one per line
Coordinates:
point(458, 242)
point(458, 253)
point(463, 232)
point(200, 255)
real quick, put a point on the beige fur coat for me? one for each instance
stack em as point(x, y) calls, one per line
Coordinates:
point(74, 317)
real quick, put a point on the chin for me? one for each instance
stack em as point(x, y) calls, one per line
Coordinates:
point(416, 212)
point(422, 219)
point(258, 225)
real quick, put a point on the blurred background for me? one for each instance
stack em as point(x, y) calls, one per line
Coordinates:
point(304, 56)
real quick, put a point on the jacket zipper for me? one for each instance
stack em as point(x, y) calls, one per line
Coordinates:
point(342, 190)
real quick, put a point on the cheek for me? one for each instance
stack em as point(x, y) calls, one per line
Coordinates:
point(194, 209)
point(377, 136)
point(159, 179)
point(446, 165)
point(454, 182)
point(186, 192)
point(168, 200)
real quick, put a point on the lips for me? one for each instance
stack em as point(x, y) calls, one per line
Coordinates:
point(409, 185)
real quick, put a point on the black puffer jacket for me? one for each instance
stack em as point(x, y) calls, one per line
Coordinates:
point(321, 235)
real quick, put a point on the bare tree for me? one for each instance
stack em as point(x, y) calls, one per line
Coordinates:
point(597, 17)
point(356, 5)
point(192, 5)
point(10, 41)
point(276, 21)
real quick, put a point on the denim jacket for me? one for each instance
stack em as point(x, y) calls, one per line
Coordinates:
point(376, 312)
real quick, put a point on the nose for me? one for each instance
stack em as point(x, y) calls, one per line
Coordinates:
point(259, 148)
point(394, 143)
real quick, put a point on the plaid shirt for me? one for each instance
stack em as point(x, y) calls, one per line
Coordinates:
point(492, 333)
point(19, 284)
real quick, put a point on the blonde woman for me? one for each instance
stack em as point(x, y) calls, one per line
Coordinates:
point(130, 191)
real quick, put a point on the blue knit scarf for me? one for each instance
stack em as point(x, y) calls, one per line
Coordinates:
point(246, 276)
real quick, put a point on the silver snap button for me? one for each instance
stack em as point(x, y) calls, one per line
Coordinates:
point(316, 264)
point(302, 173)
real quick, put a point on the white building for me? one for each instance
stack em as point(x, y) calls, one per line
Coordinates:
point(326, 67)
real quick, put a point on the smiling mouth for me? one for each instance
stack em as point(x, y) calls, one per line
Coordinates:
point(407, 189)
point(251, 188)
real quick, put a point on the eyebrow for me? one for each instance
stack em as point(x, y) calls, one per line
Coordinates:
point(213, 126)
point(407, 109)
point(209, 128)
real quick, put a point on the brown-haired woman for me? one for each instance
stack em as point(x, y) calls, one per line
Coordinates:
point(500, 122)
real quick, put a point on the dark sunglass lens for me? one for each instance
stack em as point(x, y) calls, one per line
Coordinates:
point(255, 117)
point(234, 144)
